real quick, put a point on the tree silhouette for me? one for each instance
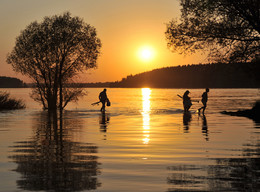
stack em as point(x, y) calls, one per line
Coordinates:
point(51, 53)
point(229, 30)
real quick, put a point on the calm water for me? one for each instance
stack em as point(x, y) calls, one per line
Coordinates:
point(142, 143)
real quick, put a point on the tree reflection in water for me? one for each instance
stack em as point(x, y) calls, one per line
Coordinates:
point(50, 160)
point(240, 173)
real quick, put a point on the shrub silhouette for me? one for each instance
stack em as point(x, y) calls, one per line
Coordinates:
point(7, 103)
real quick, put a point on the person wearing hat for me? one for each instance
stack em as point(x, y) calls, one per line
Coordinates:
point(204, 100)
point(186, 101)
point(103, 99)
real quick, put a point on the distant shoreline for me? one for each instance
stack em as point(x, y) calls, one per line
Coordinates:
point(216, 75)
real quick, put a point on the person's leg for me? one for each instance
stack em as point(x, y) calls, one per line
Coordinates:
point(184, 107)
point(204, 107)
point(103, 106)
point(199, 109)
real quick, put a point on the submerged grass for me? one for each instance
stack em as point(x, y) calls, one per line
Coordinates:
point(7, 103)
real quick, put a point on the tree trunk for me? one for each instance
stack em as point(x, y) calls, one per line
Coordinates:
point(60, 85)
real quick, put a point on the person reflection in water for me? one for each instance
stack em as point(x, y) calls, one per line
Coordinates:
point(186, 121)
point(103, 99)
point(103, 121)
point(205, 127)
point(186, 101)
point(204, 100)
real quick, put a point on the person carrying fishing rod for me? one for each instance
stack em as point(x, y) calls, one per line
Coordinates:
point(187, 102)
point(103, 99)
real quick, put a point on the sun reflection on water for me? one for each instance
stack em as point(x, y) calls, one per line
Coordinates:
point(146, 95)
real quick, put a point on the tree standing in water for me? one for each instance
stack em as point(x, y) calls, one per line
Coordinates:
point(51, 53)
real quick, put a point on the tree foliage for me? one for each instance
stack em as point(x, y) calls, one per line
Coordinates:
point(51, 53)
point(228, 29)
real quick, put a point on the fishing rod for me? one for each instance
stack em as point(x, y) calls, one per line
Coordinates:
point(96, 103)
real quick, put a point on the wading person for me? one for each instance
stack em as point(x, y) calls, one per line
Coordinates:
point(186, 101)
point(204, 100)
point(103, 99)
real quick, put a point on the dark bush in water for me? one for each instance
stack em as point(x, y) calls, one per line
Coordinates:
point(7, 103)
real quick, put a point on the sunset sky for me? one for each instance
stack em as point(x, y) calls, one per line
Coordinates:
point(131, 32)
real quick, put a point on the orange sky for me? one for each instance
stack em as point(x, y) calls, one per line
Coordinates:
point(124, 27)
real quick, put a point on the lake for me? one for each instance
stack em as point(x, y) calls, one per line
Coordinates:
point(143, 142)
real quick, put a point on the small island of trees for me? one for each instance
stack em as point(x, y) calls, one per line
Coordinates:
point(11, 82)
point(6, 101)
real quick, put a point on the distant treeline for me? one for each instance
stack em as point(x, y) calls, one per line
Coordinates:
point(218, 75)
point(98, 84)
point(81, 85)
point(11, 82)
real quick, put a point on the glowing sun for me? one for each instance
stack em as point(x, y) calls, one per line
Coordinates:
point(146, 53)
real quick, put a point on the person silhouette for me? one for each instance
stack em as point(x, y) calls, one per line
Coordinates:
point(103, 99)
point(186, 101)
point(204, 100)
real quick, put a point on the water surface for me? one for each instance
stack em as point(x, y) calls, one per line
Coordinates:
point(143, 142)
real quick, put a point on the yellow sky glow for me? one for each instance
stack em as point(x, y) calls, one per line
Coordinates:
point(126, 28)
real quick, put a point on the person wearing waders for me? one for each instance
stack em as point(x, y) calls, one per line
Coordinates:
point(186, 101)
point(103, 99)
point(204, 101)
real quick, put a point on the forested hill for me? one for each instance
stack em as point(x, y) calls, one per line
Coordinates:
point(11, 82)
point(239, 75)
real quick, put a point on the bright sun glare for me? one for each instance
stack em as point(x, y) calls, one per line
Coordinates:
point(146, 53)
